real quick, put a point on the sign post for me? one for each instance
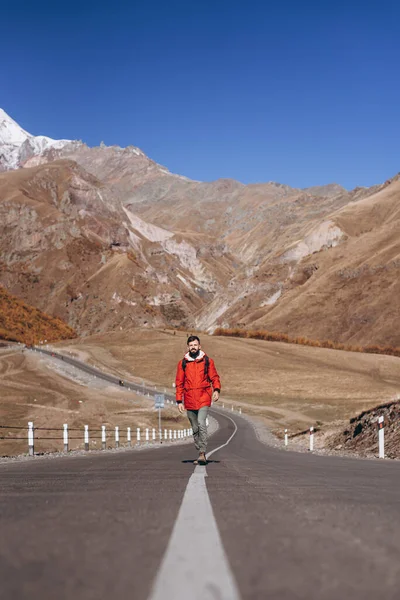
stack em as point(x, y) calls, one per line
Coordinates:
point(159, 402)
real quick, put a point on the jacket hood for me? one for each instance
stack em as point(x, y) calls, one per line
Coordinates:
point(199, 357)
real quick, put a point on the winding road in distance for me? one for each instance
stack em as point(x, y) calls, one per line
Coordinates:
point(255, 523)
point(128, 385)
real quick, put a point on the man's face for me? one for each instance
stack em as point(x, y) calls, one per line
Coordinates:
point(194, 347)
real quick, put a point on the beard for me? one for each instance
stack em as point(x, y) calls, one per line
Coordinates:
point(194, 353)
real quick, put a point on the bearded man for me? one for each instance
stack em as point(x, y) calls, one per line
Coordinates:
point(197, 385)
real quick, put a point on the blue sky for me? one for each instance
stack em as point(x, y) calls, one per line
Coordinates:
point(304, 93)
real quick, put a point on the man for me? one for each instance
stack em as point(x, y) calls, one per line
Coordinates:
point(197, 383)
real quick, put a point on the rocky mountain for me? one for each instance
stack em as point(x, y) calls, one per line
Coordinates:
point(105, 237)
point(351, 291)
point(68, 247)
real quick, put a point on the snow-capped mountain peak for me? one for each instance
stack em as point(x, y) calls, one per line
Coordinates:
point(10, 132)
point(17, 145)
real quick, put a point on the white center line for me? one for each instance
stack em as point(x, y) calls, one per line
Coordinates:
point(195, 565)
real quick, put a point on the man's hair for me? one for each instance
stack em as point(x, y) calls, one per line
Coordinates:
point(193, 338)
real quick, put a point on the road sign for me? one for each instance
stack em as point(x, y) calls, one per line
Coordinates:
point(159, 400)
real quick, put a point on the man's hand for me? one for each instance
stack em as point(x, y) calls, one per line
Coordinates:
point(181, 408)
point(215, 396)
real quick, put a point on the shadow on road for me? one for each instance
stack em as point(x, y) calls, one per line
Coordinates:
point(209, 462)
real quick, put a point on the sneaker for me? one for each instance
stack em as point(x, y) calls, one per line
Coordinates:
point(202, 459)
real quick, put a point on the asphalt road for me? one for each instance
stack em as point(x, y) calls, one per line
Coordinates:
point(256, 523)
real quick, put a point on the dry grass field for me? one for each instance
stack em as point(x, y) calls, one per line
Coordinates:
point(287, 385)
point(34, 388)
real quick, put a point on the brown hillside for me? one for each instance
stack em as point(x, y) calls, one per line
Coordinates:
point(351, 292)
point(69, 247)
point(20, 322)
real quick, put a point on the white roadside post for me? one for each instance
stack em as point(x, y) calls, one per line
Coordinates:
point(184, 433)
point(128, 437)
point(103, 437)
point(65, 436)
point(311, 439)
point(170, 434)
point(153, 435)
point(86, 437)
point(232, 408)
point(138, 435)
point(240, 411)
point(116, 436)
point(174, 434)
point(147, 435)
point(165, 434)
point(286, 437)
point(31, 441)
point(223, 405)
point(381, 437)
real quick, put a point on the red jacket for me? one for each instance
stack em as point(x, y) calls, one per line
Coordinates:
point(193, 386)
